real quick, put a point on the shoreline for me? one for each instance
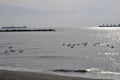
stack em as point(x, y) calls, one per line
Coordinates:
point(22, 75)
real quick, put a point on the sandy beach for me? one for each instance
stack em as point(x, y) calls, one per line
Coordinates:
point(20, 75)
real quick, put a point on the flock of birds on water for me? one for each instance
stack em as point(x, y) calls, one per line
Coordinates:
point(12, 50)
point(69, 45)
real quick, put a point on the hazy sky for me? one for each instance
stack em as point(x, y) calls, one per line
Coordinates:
point(59, 13)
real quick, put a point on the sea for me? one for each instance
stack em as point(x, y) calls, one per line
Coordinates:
point(65, 52)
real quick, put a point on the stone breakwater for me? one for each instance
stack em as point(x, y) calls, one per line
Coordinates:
point(25, 30)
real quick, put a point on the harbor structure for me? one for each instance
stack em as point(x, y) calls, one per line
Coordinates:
point(22, 29)
point(110, 25)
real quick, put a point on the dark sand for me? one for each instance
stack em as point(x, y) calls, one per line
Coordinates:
point(20, 75)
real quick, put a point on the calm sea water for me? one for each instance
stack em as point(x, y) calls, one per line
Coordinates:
point(94, 49)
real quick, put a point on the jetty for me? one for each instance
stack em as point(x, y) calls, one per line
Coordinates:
point(23, 29)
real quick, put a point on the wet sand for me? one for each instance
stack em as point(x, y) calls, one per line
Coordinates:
point(20, 75)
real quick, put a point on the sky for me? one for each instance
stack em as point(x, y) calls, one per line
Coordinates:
point(59, 13)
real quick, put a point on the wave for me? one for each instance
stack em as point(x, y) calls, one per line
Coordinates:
point(37, 57)
point(66, 70)
point(53, 57)
point(92, 70)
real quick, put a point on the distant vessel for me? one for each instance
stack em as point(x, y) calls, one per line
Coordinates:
point(22, 29)
point(111, 25)
point(14, 28)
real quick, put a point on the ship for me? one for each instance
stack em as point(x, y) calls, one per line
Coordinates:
point(14, 28)
point(110, 25)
